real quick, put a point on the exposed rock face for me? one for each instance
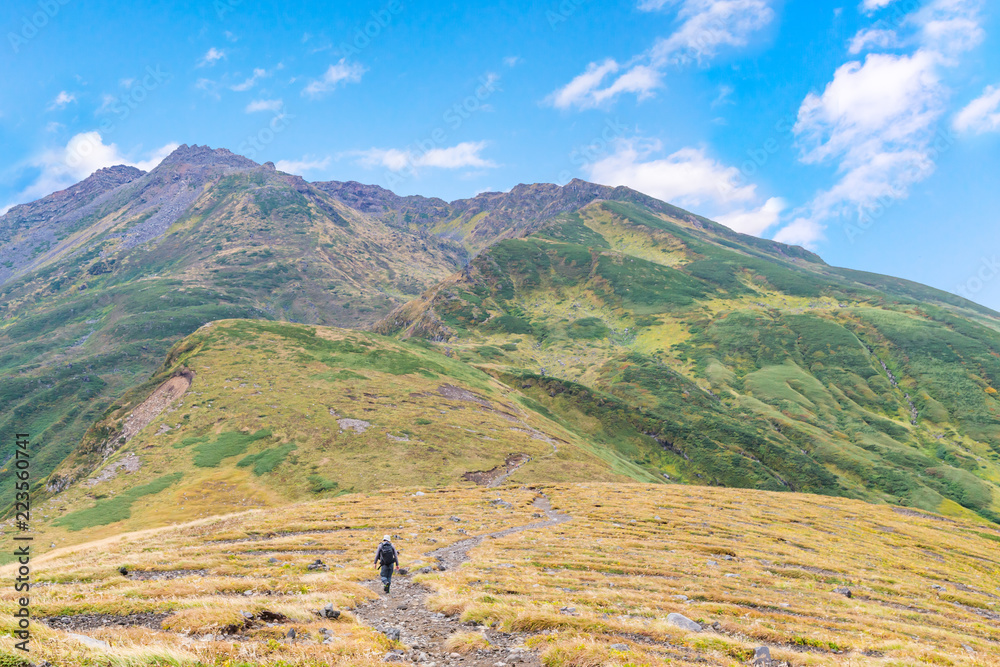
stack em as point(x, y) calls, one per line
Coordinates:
point(29, 230)
point(502, 215)
point(385, 204)
point(148, 410)
point(195, 155)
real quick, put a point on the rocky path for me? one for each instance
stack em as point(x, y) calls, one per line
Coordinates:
point(403, 613)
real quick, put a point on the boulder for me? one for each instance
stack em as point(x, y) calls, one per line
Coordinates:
point(392, 634)
point(683, 622)
point(619, 647)
point(844, 590)
point(762, 657)
point(329, 612)
point(317, 565)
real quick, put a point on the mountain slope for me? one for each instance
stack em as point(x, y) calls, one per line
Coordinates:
point(489, 217)
point(748, 369)
point(247, 413)
point(661, 343)
point(752, 568)
point(205, 235)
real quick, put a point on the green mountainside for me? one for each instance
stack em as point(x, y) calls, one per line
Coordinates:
point(250, 413)
point(595, 333)
point(92, 304)
point(749, 368)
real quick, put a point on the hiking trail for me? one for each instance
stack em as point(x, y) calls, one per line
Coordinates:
point(425, 632)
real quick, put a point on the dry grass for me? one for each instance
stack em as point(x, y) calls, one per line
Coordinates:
point(608, 577)
point(622, 564)
point(222, 567)
point(466, 642)
point(448, 603)
point(253, 377)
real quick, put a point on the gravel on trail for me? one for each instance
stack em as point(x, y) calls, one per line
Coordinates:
point(403, 612)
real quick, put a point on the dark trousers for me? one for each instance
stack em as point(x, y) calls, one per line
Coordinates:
point(386, 573)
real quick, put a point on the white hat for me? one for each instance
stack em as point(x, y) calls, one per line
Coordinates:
point(385, 538)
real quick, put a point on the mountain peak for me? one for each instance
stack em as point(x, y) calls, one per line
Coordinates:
point(119, 173)
point(207, 156)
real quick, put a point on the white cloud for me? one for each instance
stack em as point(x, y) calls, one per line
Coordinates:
point(465, 154)
point(878, 120)
point(212, 56)
point(62, 100)
point(342, 72)
point(513, 61)
point(870, 6)
point(689, 178)
point(757, 220)
point(107, 100)
point(586, 89)
point(885, 101)
point(950, 27)
point(210, 87)
point(706, 27)
point(249, 83)
point(299, 167)
point(725, 93)
point(982, 114)
point(868, 38)
point(83, 154)
point(274, 106)
point(801, 231)
point(709, 25)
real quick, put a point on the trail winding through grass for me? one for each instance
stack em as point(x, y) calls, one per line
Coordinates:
point(426, 632)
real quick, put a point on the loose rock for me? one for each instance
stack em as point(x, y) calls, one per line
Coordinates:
point(683, 622)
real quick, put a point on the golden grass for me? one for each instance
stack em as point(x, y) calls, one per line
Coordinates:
point(632, 550)
point(222, 567)
point(251, 379)
point(608, 577)
point(466, 642)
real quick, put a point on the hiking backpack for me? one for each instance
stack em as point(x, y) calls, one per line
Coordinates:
point(386, 553)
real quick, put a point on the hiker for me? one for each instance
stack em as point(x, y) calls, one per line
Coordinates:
point(387, 556)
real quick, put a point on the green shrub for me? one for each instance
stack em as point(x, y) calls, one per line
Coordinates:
point(230, 443)
point(267, 460)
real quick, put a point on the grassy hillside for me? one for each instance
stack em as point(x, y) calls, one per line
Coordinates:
point(274, 413)
point(191, 242)
point(746, 368)
point(752, 568)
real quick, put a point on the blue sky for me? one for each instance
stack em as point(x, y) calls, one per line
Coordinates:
point(868, 130)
